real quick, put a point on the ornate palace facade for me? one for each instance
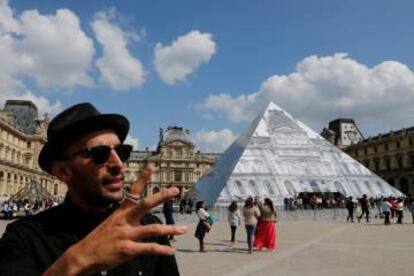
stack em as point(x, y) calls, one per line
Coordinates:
point(390, 155)
point(22, 135)
point(176, 162)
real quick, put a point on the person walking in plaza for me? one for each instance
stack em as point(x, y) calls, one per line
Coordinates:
point(182, 205)
point(364, 208)
point(250, 213)
point(189, 206)
point(400, 210)
point(234, 220)
point(168, 211)
point(99, 229)
point(203, 225)
point(266, 227)
point(393, 202)
point(349, 204)
point(411, 206)
point(378, 203)
point(386, 210)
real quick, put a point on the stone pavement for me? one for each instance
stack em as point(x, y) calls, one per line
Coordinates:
point(305, 247)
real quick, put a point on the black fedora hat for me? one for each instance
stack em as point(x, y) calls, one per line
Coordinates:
point(74, 122)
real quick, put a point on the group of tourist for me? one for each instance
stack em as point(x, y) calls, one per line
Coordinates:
point(260, 218)
point(386, 208)
point(304, 201)
point(15, 208)
point(259, 221)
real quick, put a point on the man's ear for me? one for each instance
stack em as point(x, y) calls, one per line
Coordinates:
point(61, 170)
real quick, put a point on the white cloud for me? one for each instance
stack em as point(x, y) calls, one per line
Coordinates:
point(7, 22)
point(117, 66)
point(174, 63)
point(131, 140)
point(325, 88)
point(52, 49)
point(212, 141)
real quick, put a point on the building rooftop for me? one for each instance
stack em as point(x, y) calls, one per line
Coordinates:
point(175, 133)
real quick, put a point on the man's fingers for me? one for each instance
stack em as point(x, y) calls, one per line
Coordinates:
point(144, 231)
point(142, 248)
point(138, 186)
point(149, 202)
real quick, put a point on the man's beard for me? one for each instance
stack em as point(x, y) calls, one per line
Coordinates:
point(93, 191)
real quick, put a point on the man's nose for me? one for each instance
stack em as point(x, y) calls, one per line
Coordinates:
point(114, 159)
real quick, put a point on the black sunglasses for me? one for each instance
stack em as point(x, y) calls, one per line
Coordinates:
point(100, 154)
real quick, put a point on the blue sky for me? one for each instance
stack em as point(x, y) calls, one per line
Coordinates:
point(210, 66)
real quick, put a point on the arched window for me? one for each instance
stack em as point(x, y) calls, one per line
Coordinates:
point(240, 187)
point(290, 188)
point(368, 185)
point(357, 188)
point(381, 185)
point(254, 188)
point(269, 187)
point(340, 188)
point(315, 187)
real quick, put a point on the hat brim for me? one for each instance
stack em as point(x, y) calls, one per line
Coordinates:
point(53, 149)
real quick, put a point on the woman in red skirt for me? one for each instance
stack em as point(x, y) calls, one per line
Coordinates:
point(266, 227)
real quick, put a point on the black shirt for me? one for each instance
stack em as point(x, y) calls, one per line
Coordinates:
point(31, 244)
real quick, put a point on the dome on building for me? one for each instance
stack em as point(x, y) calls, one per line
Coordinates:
point(175, 133)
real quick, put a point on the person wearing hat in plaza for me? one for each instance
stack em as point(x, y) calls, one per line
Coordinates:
point(99, 229)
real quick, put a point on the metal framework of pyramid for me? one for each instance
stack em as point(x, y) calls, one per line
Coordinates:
point(279, 156)
point(33, 192)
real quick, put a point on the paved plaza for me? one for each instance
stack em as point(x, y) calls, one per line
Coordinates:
point(306, 245)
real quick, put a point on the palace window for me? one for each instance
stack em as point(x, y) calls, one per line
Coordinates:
point(179, 153)
point(376, 165)
point(177, 176)
point(400, 162)
point(387, 164)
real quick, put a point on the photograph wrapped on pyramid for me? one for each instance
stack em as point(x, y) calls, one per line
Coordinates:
point(279, 157)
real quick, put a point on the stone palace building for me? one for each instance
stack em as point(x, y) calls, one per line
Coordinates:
point(176, 162)
point(22, 135)
point(389, 155)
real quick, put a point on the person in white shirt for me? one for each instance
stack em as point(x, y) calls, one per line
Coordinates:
point(203, 225)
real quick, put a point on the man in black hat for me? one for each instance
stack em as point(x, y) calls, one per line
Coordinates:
point(99, 229)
